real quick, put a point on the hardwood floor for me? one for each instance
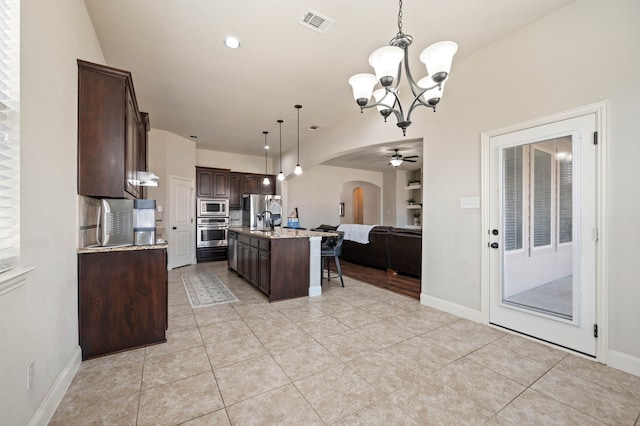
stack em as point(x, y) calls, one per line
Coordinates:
point(399, 283)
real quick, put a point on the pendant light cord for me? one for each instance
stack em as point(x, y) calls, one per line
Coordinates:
point(280, 122)
point(298, 107)
point(265, 153)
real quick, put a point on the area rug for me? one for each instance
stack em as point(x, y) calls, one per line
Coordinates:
point(205, 289)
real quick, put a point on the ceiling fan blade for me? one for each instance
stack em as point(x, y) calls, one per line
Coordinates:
point(409, 161)
point(411, 156)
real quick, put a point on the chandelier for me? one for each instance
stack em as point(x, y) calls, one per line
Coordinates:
point(387, 63)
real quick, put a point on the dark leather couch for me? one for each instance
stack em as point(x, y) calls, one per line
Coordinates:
point(405, 251)
point(389, 248)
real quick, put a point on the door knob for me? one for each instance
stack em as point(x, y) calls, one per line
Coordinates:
point(494, 231)
point(494, 245)
point(174, 227)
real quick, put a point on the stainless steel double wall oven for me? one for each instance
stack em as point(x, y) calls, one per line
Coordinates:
point(212, 222)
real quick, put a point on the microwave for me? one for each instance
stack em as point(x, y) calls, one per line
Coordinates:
point(115, 223)
point(212, 207)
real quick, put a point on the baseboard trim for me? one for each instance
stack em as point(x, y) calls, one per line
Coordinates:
point(450, 307)
point(624, 362)
point(48, 407)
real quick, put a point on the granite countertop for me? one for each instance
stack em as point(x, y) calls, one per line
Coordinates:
point(99, 249)
point(279, 233)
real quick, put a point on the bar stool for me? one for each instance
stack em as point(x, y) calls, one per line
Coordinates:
point(332, 247)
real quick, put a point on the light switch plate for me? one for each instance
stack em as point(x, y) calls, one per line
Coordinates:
point(469, 202)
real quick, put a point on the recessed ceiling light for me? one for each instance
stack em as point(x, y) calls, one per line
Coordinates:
point(232, 42)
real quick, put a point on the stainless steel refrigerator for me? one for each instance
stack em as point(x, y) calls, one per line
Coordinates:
point(261, 211)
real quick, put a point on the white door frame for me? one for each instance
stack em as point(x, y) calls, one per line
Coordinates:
point(600, 111)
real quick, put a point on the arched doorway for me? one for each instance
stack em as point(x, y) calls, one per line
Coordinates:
point(358, 205)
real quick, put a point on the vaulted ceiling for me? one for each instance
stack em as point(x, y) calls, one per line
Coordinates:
point(192, 85)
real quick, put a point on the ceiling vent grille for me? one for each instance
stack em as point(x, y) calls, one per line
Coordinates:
point(313, 20)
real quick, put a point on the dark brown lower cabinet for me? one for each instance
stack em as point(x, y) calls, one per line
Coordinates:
point(278, 267)
point(122, 300)
point(210, 254)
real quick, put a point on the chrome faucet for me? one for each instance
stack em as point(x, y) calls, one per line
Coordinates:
point(263, 216)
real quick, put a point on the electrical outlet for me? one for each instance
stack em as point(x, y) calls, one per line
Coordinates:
point(30, 374)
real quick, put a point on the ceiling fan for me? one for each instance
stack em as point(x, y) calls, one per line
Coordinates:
point(396, 159)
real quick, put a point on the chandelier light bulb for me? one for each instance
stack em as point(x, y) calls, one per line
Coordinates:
point(362, 85)
point(434, 90)
point(437, 58)
point(385, 62)
point(384, 101)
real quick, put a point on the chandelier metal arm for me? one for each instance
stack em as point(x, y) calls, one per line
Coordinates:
point(388, 108)
point(412, 83)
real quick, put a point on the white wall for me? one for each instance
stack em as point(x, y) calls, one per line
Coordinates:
point(234, 162)
point(389, 197)
point(39, 321)
point(583, 53)
point(316, 193)
point(169, 155)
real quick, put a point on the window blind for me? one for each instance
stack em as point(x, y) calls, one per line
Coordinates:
point(512, 202)
point(565, 201)
point(9, 132)
point(542, 186)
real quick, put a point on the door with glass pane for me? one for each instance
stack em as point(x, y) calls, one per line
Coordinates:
point(543, 218)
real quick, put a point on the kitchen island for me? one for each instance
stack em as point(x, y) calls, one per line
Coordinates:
point(282, 263)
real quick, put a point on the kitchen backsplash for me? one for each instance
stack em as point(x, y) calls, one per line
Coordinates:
point(235, 218)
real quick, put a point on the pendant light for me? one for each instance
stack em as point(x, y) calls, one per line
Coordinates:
point(280, 175)
point(298, 169)
point(266, 180)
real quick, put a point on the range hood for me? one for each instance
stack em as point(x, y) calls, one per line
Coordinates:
point(145, 179)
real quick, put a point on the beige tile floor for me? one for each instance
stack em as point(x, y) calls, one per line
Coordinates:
point(357, 355)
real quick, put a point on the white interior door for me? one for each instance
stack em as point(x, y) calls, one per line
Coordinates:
point(182, 227)
point(543, 236)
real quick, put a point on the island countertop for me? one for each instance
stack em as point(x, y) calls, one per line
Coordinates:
point(99, 249)
point(280, 233)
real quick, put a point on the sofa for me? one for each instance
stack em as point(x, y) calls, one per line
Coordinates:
point(389, 248)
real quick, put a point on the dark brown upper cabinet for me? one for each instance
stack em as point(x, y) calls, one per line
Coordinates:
point(212, 183)
point(112, 133)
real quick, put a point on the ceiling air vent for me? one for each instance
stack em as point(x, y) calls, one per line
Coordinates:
point(313, 20)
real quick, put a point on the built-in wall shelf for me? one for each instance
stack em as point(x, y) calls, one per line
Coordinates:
point(418, 186)
point(414, 206)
